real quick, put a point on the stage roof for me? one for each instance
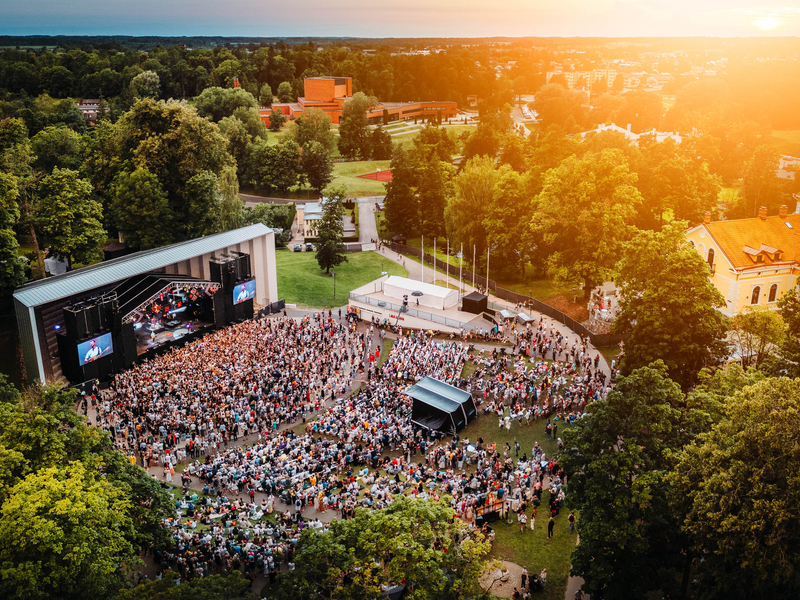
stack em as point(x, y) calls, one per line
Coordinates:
point(111, 271)
point(438, 394)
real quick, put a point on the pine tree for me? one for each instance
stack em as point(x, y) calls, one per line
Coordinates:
point(331, 250)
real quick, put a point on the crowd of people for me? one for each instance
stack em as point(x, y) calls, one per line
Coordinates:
point(200, 405)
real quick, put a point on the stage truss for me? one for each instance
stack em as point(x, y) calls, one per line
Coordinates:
point(194, 290)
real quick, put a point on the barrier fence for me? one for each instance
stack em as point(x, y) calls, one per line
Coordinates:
point(413, 312)
point(599, 340)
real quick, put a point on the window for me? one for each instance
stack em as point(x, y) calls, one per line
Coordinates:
point(711, 256)
point(773, 292)
point(760, 258)
point(756, 295)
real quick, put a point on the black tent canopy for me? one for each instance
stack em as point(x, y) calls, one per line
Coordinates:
point(474, 303)
point(440, 406)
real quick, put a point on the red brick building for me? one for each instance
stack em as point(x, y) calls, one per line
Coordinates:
point(330, 93)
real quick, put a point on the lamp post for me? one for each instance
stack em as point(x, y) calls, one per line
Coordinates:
point(333, 274)
point(794, 246)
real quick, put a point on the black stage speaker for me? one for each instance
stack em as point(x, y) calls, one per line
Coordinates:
point(128, 345)
point(68, 354)
point(76, 322)
point(94, 314)
point(91, 370)
point(221, 302)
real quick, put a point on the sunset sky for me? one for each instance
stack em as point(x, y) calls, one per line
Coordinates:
point(403, 18)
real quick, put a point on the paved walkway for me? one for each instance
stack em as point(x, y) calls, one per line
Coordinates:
point(367, 225)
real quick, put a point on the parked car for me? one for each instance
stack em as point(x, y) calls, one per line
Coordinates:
point(298, 248)
point(309, 247)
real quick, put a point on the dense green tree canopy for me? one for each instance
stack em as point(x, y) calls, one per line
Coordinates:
point(585, 214)
point(419, 543)
point(669, 305)
point(216, 102)
point(738, 487)
point(616, 459)
point(74, 513)
point(68, 218)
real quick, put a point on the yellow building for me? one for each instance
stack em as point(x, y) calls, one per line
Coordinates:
point(753, 261)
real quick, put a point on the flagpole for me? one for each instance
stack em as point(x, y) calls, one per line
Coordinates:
point(461, 271)
point(422, 260)
point(447, 270)
point(474, 266)
point(487, 271)
point(434, 260)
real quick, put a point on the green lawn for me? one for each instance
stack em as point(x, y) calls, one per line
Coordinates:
point(302, 282)
point(788, 141)
point(348, 174)
point(541, 289)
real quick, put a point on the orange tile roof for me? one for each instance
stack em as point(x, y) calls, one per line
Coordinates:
point(770, 234)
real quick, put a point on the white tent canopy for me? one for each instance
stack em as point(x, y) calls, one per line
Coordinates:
point(433, 296)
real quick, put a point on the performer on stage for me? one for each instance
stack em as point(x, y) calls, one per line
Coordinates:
point(93, 352)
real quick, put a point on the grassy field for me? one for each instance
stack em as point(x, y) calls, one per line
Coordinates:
point(788, 141)
point(348, 174)
point(302, 282)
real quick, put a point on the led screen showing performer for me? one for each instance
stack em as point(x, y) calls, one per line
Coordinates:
point(244, 291)
point(95, 348)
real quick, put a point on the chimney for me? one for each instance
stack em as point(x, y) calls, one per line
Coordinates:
point(707, 218)
point(783, 211)
point(762, 213)
point(629, 127)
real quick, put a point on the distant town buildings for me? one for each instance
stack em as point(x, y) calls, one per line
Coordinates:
point(658, 136)
point(330, 93)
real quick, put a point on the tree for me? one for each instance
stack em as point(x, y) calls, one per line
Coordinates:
point(737, 487)
point(513, 153)
point(276, 120)
point(285, 93)
point(674, 185)
point(380, 145)
point(313, 125)
point(663, 281)
point(239, 141)
point(484, 141)
point(786, 360)
point(317, 165)
point(755, 331)
point(215, 103)
point(69, 219)
point(584, 215)
point(274, 167)
point(761, 185)
point(331, 250)
point(433, 182)
point(353, 128)
point(556, 105)
point(155, 136)
point(265, 97)
point(616, 461)
point(63, 534)
point(210, 587)
point(140, 209)
point(401, 205)
point(506, 222)
point(473, 191)
point(57, 147)
point(409, 541)
point(12, 269)
point(145, 85)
